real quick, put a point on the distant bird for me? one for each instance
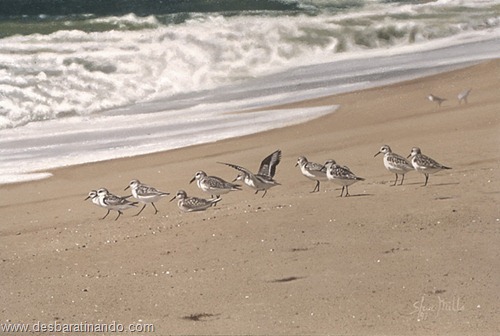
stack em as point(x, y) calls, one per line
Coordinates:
point(190, 204)
point(113, 202)
point(462, 96)
point(313, 171)
point(424, 164)
point(263, 180)
point(213, 185)
point(145, 194)
point(436, 99)
point(342, 176)
point(395, 163)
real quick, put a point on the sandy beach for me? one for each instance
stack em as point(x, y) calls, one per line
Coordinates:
point(402, 260)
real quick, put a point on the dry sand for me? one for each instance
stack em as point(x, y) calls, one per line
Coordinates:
point(404, 260)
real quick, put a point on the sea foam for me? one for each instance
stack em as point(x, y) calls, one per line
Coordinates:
point(77, 72)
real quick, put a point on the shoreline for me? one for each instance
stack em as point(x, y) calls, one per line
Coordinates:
point(100, 137)
point(321, 101)
point(292, 262)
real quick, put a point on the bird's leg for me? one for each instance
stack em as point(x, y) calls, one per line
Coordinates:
point(137, 214)
point(396, 180)
point(316, 187)
point(156, 210)
point(107, 213)
point(426, 178)
point(342, 191)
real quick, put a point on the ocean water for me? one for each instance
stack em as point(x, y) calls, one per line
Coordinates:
point(84, 81)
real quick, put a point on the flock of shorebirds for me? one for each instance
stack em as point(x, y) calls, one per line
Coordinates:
point(263, 180)
point(213, 185)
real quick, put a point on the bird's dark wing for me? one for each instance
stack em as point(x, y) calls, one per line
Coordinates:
point(268, 165)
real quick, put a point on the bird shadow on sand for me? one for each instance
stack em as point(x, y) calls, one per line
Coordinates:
point(336, 192)
point(355, 195)
point(443, 184)
point(444, 198)
point(429, 184)
point(200, 317)
point(287, 279)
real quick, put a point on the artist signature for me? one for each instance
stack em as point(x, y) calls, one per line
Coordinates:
point(425, 309)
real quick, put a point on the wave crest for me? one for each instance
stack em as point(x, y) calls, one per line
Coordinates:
point(77, 72)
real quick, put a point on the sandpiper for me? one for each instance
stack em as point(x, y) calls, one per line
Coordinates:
point(95, 199)
point(436, 99)
point(395, 163)
point(145, 194)
point(190, 204)
point(424, 164)
point(263, 180)
point(462, 96)
point(113, 202)
point(313, 171)
point(342, 176)
point(213, 185)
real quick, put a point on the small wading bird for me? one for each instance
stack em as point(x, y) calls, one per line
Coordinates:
point(313, 171)
point(190, 204)
point(424, 164)
point(95, 199)
point(213, 185)
point(113, 202)
point(263, 180)
point(436, 99)
point(145, 194)
point(342, 176)
point(462, 96)
point(395, 163)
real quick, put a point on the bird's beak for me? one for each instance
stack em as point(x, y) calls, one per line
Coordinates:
point(127, 187)
point(194, 178)
point(377, 154)
point(173, 198)
point(86, 198)
point(408, 155)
